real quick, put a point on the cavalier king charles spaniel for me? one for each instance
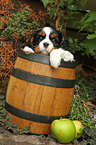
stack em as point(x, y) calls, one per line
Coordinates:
point(51, 42)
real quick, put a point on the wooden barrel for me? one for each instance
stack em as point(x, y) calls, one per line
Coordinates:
point(37, 93)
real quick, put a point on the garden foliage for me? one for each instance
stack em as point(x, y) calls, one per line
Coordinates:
point(66, 12)
point(21, 22)
point(80, 111)
point(15, 29)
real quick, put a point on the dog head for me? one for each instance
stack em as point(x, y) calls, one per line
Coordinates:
point(47, 39)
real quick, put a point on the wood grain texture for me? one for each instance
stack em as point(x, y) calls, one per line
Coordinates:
point(36, 128)
point(39, 99)
point(45, 70)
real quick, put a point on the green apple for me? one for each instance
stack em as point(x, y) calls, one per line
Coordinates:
point(63, 130)
point(79, 128)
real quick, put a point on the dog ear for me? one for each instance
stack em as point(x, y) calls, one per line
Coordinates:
point(29, 42)
point(63, 41)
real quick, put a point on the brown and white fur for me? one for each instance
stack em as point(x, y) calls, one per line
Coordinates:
point(51, 42)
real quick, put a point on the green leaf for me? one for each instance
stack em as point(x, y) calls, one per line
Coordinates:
point(69, 1)
point(84, 18)
point(45, 2)
point(87, 19)
point(2, 97)
point(72, 7)
point(52, 11)
point(90, 45)
point(91, 36)
point(84, 26)
point(83, 3)
point(92, 17)
point(62, 4)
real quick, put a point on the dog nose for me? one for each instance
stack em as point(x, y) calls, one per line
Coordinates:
point(46, 44)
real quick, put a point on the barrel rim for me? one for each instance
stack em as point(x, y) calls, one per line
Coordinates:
point(39, 58)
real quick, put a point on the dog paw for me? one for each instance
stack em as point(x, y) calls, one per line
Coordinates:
point(67, 56)
point(55, 58)
point(28, 50)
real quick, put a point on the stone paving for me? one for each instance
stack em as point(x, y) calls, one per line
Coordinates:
point(7, 138)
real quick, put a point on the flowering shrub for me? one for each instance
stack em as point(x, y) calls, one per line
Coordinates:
point(24, 20)
point(80, 111)
point(7, 55)
point(16, 28)
point(5, 7)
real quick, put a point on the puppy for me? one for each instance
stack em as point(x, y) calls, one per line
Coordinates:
point(51, 42)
